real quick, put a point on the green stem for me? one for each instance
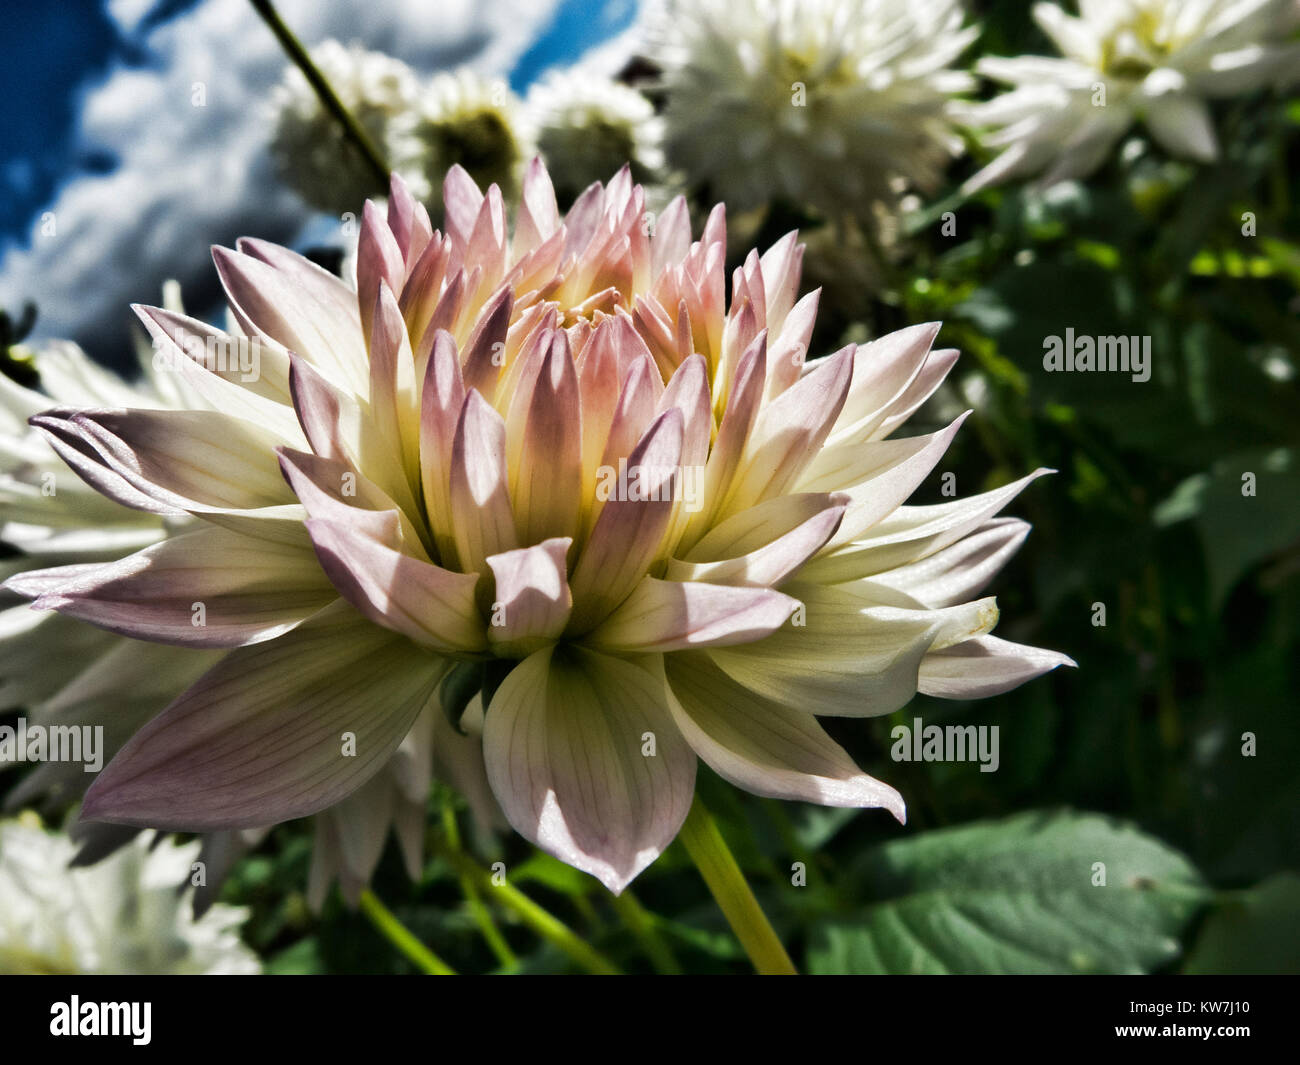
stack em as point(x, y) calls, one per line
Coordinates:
point(481, 914)
point(401, 937)
point(708, 850)
point(328, 97)
point(640, 922)
point(549, 927)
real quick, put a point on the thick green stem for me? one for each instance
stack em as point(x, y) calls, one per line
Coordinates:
point(708, 850)
point(401, 937)
point(352, 129)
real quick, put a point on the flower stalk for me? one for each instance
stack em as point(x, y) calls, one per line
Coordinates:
point(545, 924)
point(329, 99)
point(709, 852)
point(401, 937)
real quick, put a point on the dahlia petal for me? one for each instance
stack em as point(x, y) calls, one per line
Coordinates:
point(546, 476)
point(877, 477)
point(188, 460)
point(423, 291)
point(263, 736)
point(984, 666)
point(765, 747)
point(564, 743)
point(487, 248)
point(781, 267)
point(672, 236)
point(156, 594)
point(844, 660)
point(409, 222)
point(532, 598)
point(960, 571)
point(770, 564)
point(789, 351)
point(661, 616)
point(379, 260)
point(789, 433)
point(394, 399)
point(442, 398)
point(539, 216)
point(482, 519)
point(432, 606)
point(932, 375)
point(485, 347)
point(277, 307)
point(913, 533)
point(335, 490)
point(461, 201)
point(191, 341)
point(331, 418)
point(84, 459)
point(882, 372)
point(628, 534)
point(733, 435)
point(331, 292)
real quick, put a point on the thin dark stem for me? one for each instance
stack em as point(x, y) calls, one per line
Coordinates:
point(329, 99)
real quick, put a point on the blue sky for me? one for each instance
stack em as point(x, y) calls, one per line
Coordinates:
point(140, 185)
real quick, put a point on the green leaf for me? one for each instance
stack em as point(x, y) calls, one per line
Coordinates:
point(1015, 896)
point(1256, 931)
point(1241, 520)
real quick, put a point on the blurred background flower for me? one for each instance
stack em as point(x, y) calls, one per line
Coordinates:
point(125, 915)
point(839, 104)
point(1127, 61)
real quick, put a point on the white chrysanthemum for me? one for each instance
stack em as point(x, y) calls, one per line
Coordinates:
point(126, 915)
point(587, 126)
point(62, 671)
point(460, 118)
point(1124, 61)
point(313, 155)
point(835, 103)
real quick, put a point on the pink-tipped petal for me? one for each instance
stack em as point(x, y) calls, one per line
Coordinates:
point(273, 732)
point(532, 600)
point(661, 616)
point(566, 742)
point(984, 666)
point(764, 747)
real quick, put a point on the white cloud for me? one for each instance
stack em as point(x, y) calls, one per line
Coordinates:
point(191, 176)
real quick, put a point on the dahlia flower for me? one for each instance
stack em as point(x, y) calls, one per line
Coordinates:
point(62, 671)
point(460, 119)
point(836, 103)
point(586, 126)
point(1125, 61)
point(560, 456)
point(311, 153)
point(122, 916)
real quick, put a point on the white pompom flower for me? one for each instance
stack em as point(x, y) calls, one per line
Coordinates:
point(461, 118)
point(587, 126)
point(1124, 62)
point(840, 104)
point(124, 916)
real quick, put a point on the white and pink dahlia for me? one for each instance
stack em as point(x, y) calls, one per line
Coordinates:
point(562, 458)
